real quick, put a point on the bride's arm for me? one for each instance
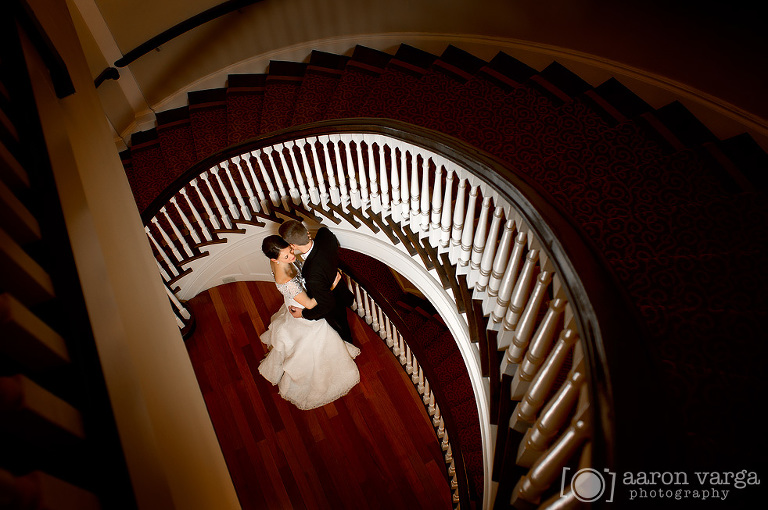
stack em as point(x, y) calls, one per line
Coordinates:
point(304, 300)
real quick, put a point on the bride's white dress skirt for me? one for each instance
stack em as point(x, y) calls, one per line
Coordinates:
point(309, 361)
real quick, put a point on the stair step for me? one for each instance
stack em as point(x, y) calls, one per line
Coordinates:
point(283, 83)
point(245, 100)
point(208, 118)
point(568, 84)
point(320, 81)
point(175, 133)
point(685, 126)
point(360, 75)
point(750, 159)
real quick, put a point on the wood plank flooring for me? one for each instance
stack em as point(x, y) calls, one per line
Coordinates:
point(374, 448)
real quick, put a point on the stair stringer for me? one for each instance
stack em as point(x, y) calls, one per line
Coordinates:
point(241, 259)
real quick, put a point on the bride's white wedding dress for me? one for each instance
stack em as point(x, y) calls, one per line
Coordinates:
point(309, 361)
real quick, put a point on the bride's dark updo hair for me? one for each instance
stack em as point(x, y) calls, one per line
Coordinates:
point(272, 245)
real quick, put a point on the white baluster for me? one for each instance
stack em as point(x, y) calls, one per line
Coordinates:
point(375, 198)
point(404, 191)
point(185, 219)
point(436, 418)
point(414, 219)
point(544, 333)
point(499, 266)
point(478, 244)
point(437, 206)
point(388, 334)
point(538, 383)
point(244, 211)
point(167, 240)
point(420, 381)
point(553, 417)
point(330, 169)
point(425, 202)
point(224, 191)
point(292, 196)
point(171, 264)
point(431, 409)
point(486, 262)
point(445, 216)
point(385, 206)
point(211, 217)
point(247, 185)
point(283, 196)
point(206, 234)
point(540, 348)
point(375, 316)
point(403, 349)
point(522, 290)
point(441, 427)
point(360, 305)
point(396, 205)
point(527, 322)
point(219, 207)
point(549, 467)
point(467, 234)
point(458, 222)
point(262, 204)
point(342, 179)
point(354, 193)
point(365, 199)
point(425, 396)
point(274, 194)
point(163, 272)
point(416, 370)
point(366, 301)
point(312, 141)
point(296, 191)
point(314, 194)
point(409, 360)
point(508, 282)
point(176, 232)
point(176, 303)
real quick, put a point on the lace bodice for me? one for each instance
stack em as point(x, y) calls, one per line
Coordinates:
point(292, 287)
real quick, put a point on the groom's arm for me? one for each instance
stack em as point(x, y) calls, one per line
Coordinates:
point(326, 302)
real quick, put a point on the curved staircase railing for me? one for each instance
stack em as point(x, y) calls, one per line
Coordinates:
point(539, 295)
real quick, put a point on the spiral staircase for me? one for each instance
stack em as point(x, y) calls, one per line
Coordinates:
point(676, 215)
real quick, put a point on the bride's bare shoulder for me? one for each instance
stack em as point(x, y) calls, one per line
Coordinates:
point(283, 275)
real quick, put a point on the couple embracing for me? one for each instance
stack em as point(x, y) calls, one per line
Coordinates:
point(311, 356)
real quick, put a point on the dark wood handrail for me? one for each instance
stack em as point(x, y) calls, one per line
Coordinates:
point(188, 24)
point(408, 336)
point(618, 362)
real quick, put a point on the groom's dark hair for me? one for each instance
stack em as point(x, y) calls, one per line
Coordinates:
point(294, 232)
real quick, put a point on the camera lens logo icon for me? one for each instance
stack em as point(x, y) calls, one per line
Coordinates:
point(589, 485)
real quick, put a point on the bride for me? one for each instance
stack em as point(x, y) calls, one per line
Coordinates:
point(308, 360)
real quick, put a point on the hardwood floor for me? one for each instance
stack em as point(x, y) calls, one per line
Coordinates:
point(373, 448)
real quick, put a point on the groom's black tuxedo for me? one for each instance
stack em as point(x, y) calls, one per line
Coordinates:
point(319, 271)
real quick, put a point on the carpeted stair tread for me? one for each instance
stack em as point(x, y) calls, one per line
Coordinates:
point(432, 103)
point(360, 75)
point(396, 84)
point(282, 86)
point(174, 131)
point(321, 78)
point(149, 174)
point(685, 126)
point(559, 82)
point(697, 281)
point(621, 99)
point(507, 71)
point(208, 120)
point(737, 223)
point(245, 99)
point(750, 159)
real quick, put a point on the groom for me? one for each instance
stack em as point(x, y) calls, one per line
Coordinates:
point(321, 262)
